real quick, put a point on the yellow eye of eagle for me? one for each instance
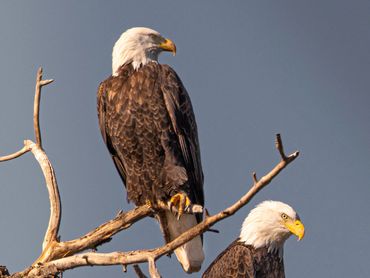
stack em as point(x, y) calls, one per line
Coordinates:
point(284, 216)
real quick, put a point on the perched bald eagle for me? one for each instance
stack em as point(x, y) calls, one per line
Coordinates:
point(147, 122)
point(258, 252)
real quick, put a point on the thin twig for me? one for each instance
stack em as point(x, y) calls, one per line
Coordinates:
point(280, 148)
point(254, 177)
point(36, 107)
point(22, 151)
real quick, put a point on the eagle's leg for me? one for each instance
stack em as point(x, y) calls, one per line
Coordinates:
point(180, 201)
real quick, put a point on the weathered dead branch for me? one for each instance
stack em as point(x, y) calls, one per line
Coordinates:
point(36, 107)
point(51, 234)
point(19, 153)
point(57, 256)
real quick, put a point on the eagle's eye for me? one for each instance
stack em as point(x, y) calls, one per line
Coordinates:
point(284, 216)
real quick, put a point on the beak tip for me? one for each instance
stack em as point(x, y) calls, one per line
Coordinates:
point(300, 237)
point(169, 46)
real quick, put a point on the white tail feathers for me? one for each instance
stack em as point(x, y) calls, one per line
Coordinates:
point(190, 255)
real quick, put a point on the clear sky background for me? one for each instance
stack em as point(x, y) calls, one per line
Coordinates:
point(252, 69)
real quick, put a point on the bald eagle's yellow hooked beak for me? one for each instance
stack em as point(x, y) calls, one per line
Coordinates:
point(168, 45)
point(296, 228)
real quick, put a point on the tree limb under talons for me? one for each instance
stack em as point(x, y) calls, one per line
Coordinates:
point(99, 235)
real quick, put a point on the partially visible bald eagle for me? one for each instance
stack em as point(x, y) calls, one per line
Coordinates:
point(147, 122)
point(258, 252)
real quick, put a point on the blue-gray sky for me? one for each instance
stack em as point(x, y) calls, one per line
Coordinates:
point(252, 69)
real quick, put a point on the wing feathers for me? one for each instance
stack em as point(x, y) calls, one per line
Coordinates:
point(102, 93)
point(236, 261)
point(183, 121)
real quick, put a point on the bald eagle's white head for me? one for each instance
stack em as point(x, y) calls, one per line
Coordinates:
point(269, 225)
point(139, 45)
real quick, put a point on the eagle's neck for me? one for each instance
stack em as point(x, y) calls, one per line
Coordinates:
point(261, 235)
point(131, 54)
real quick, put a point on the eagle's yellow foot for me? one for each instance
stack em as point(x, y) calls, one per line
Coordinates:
point(180, 201)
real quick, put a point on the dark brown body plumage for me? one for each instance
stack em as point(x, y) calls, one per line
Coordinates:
point(244, 261)
point(147, 122)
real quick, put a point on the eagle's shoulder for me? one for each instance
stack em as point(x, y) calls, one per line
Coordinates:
point(235, 261)
point(170, 75)
point(268, 264)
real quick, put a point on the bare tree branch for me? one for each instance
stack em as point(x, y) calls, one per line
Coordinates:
point(47, 169)
point(140, 256)
point(98, 236)
point(153, 270)
point(19, 153)
point(51, 234)
point(36, 107)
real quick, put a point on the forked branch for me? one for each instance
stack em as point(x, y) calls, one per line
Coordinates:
point(51, 234)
